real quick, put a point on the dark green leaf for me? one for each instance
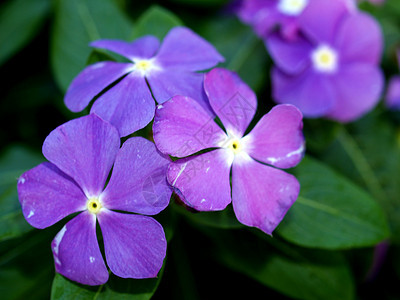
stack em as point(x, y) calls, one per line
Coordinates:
point(115, 288)
point(13, 163)
point(332, 212)
point(19, 21)
point(155, 21)
point(77, 23)
point(296, 272)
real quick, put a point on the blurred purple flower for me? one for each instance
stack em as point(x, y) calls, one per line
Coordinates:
point(169, 70)
point(392, 98)
point(333, 71)
point(261, 195)
point(81, 154)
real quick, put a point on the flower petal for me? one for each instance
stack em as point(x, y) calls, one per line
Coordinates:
point(135, 245)
point(47, 195)
point(91, 81)
point(166, 84)
point(184, 49)
point(358, 88)
point(320, 19)
point(181, 127)
point(138, 182)
point(277, 139)
point(84, 149)
point(312, 93)
point(359, 39)
point(393, 93)
point(76, 251)
point(231, 99)
point(144, 47)
point(128, 105)
point(203, 180)
point(291, 57)
point(261, 195)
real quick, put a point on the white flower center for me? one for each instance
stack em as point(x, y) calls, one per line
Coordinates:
point(324, 59)
point(145, 66)
point(292, 7)
point(93, 205)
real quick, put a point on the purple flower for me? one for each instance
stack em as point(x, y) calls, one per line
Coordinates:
point(261, 194)
point(164, 71)
point(81, 154)
point(267, 15)
point(392, 97)
point(333, 70)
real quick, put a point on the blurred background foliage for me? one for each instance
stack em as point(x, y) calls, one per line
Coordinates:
point(339, 241)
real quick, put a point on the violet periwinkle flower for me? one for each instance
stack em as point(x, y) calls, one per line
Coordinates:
point(81, 154)
point(333, 69)
point(164, 71)
point(392, 98)
point(261, 194)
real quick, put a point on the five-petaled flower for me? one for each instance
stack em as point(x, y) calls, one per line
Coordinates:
point(261, 194)
point(81, 154)
point(162, 71)
point(332, 69)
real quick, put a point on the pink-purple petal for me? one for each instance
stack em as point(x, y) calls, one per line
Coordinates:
point(84, 149)
point(91, 81)
point(128, 105)
point(76, 251)
point(135, 245)
point(358, 88)
point(359, 39)
point(139, 179)
point(184, 49)
point(278, 139)
point(166, 84)
point(47, 195)
point(202, 181)
point(231, 99)
point(144, 47)
point(311, 92)
point(321, 18)
point(393, 93)
point(181, 127)
point(261, 195)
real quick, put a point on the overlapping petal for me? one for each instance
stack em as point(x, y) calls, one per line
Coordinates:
point(76, 251)
point(359, 39)
point(144, 47)
point(203, 180)
point(311, 92)
point(181, 127)
point(84, 149)
point(134, 245)
point(47, 195)
point(183, 49)
point(355, 99)
point(261, 195)
point(231, 99)
point(91, 81)
point(277, 139)
point(128, 105)
point(138, 181)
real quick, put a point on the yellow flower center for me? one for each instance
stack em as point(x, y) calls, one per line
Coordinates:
point(93, 205)
point(235, 146)
point(324, 59)
point(292, 7)
point(143, 65)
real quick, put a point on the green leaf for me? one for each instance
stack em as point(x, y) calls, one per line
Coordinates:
point(296, 272)
point(19, 22)
point(13, 163)
point(77, 23)
point(115, 288)
point(368, 152)
point(155, 21)
point(332, 212)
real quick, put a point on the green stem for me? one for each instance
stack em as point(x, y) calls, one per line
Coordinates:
point(361, 164)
